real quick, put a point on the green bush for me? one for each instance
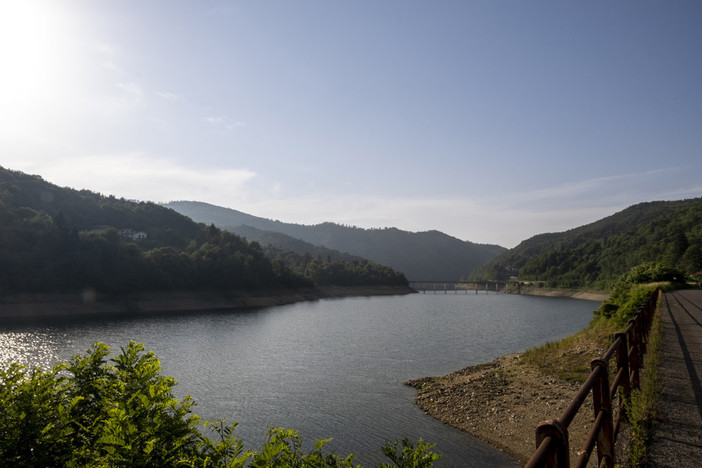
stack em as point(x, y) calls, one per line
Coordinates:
point(122, 413)
point(633, 288)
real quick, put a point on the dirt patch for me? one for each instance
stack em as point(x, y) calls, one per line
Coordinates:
point(502, 403)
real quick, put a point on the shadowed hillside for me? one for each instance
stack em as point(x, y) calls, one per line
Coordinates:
point(419, 255)
point(61, 240)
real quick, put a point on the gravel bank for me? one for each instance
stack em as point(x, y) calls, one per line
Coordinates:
point(502, 403)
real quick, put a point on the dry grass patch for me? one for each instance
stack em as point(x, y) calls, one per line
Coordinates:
point(569, 359)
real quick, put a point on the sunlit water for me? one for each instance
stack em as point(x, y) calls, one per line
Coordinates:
point(332, 368)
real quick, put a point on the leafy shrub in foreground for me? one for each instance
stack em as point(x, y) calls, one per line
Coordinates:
point(91, 412)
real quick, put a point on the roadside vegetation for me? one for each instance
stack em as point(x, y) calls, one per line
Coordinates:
point(121, 412)
point(569, 359)
point(643, 406)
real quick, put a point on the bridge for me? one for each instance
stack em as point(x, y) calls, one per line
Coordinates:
point(457, 286)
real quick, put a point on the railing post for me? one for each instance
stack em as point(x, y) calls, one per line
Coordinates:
point(554, 429)
point(603, 404)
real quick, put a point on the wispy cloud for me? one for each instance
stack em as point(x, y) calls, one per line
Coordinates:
point(602, 186)
point(505, 218)
point(132, 89)
point(139, 176)
point(168, 96)
point(224, 123)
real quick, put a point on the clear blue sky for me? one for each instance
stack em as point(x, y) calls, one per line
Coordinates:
point(491, 121)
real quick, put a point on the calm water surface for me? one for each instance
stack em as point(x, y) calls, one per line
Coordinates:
point(332, 368)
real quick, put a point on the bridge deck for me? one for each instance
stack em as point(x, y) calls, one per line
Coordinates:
point(677, 434)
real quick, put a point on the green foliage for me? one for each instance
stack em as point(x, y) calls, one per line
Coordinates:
point(92, 413)
point(643, 405)
point(284, 449)
point(121, 412)
point(633, 289)
point(66, 241)
point(407, 455)
point(595, 255)
point(353, 273)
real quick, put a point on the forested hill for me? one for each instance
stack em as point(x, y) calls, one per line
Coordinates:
point(594, 255)
point(430, 255)
point(55, 239)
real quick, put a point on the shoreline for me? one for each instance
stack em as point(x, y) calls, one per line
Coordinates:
point(501, 402)
point(598, 296)
point(90, 304)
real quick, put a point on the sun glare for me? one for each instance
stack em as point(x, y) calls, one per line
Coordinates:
point(35, 60)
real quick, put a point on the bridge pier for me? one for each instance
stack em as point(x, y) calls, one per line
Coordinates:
point(456, 285)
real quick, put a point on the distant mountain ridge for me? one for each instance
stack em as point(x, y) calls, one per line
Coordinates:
point(430, 255)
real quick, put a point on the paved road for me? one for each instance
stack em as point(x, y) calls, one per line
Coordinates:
point(677, 435)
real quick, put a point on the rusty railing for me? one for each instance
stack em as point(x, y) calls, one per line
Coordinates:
point(628, 348)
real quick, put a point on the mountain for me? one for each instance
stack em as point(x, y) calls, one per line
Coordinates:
point(596, 254)
point(61, 240)
point(430, 255)
point(285, 242)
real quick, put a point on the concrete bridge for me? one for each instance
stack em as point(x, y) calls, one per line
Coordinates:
point(456, 287)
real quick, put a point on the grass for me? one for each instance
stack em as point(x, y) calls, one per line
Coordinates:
point(643, 405)
point(569, 359)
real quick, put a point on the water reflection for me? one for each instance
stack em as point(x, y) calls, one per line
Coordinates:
point(330, 368)
point(29, 348)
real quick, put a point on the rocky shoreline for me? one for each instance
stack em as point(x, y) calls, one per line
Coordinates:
point(561, 292)
point(90, 304)
point(501, 402)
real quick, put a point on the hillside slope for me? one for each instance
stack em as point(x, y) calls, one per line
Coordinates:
point(594, 255)
point(430, 255)
point(62, 240)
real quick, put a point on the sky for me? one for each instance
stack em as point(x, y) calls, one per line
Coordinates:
point(491, 121)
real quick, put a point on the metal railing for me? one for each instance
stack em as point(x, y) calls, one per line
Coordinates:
point(629, 346)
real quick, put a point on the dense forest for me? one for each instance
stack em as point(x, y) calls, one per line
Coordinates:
point(55, 239)
point(335, 269)
point(430, 255)
point(595, 255)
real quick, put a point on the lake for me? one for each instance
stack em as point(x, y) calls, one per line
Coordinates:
point(330, 369)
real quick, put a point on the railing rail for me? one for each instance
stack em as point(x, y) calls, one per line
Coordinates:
point(628, 348)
